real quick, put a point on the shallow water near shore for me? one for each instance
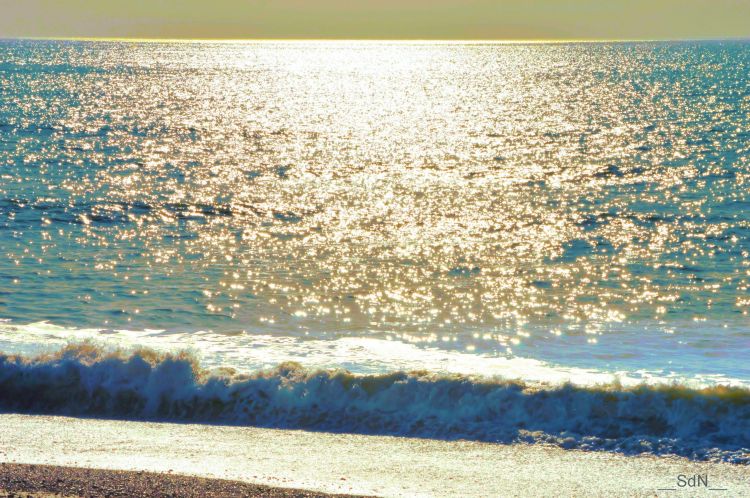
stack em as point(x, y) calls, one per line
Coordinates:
point(547, 213)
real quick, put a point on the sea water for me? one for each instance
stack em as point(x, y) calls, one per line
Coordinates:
point(457, 240)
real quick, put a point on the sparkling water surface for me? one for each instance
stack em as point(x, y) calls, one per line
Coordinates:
point(581, 205)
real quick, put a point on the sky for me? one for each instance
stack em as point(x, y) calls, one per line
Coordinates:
point(380, 19)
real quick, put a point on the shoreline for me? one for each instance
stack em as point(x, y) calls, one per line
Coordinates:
point(350, 464)
point(42, 481)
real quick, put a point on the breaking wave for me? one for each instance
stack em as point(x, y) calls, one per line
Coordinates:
point(87, 380)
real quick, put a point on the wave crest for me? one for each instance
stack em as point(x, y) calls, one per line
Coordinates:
point(86, 380)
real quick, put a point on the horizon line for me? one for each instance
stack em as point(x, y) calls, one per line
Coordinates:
point(498, 41)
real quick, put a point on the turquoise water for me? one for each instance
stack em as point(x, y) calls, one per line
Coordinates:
point(580, 204)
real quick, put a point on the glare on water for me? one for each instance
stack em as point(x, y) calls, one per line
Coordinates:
point(480, 197)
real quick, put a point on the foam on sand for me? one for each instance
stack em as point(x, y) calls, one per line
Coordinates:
point(347, 463)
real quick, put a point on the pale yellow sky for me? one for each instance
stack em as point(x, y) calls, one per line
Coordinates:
point(401, 19)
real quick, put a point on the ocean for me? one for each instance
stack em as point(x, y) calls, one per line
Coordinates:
point(484, 241)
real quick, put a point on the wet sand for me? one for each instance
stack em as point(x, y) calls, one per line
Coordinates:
point(351, 464)
point(41, 481)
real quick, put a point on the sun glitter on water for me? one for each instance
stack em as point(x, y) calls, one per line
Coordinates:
point(488, 198)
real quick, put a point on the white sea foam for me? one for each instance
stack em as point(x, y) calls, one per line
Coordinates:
point(87, 380)
point(250, 352)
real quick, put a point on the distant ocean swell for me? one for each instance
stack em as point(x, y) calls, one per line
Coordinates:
point(706, 424)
